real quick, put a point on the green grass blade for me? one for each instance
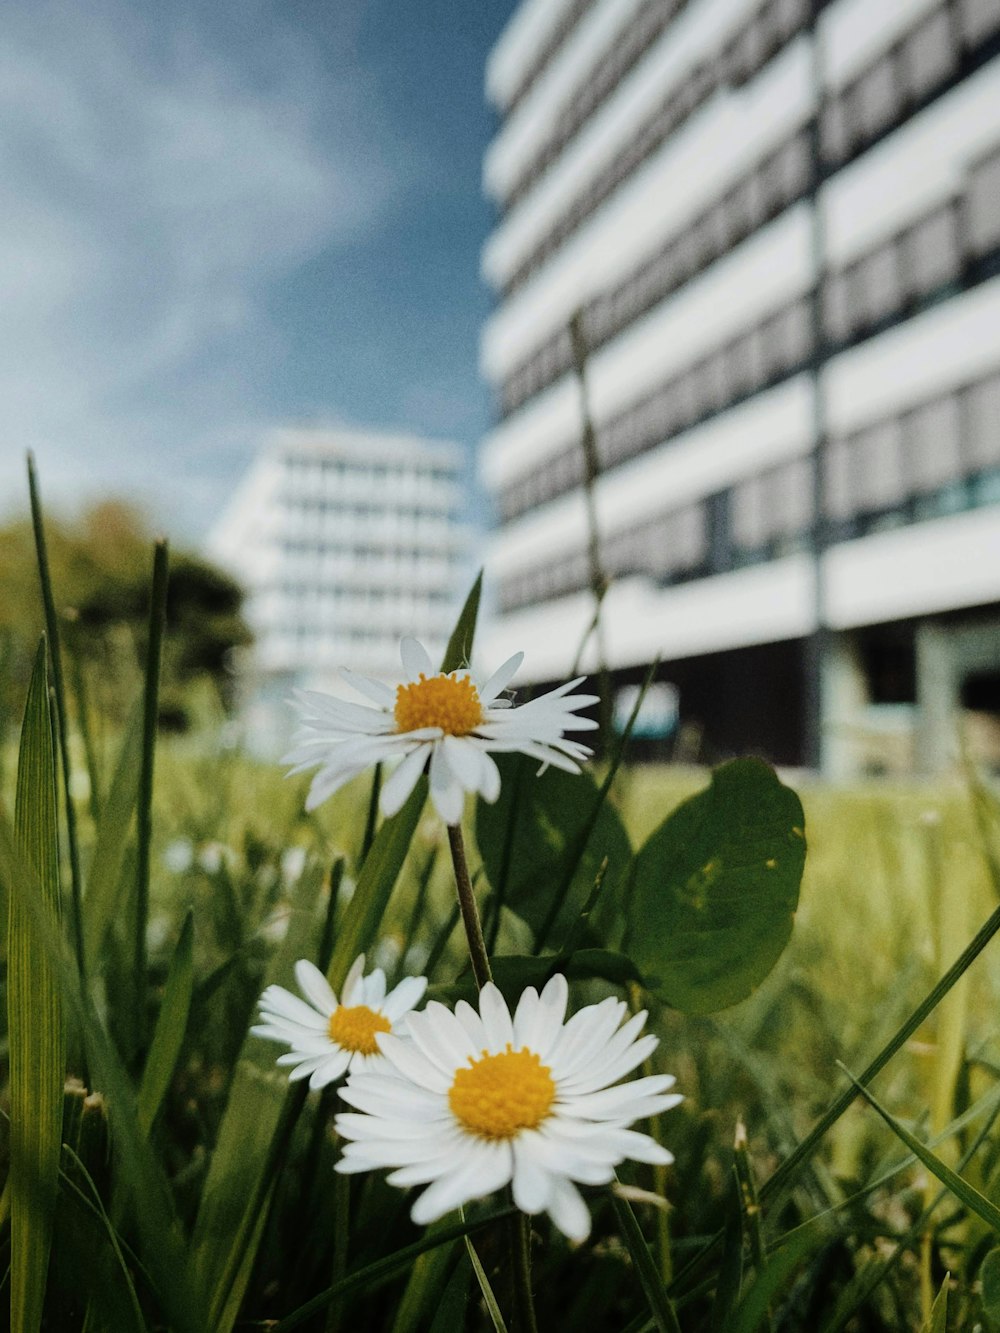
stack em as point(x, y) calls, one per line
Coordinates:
point(150, 714)
point(104, 873)
point(754, 1309)
point(234, 1200)
point(939, 1310)
point(975, 1202)
point(162, 1246)
point(385, 1269)
point(376, 882)
point(459, 650)
point(34, 1016)
point(171, 1025)
point(489, 1297)
point(59, 692)
point(660, 1305)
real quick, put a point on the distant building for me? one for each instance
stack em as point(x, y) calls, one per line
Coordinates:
point(345, 541)
point(780, 224)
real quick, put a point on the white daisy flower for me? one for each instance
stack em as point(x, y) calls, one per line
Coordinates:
point(474, 1102)
point(327, 1036)
point(450, 719)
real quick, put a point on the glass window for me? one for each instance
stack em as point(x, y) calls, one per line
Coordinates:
point(983, 205)
point(880, 96)
point(877, 287)
point(982, 424)
point(978, 18)
point(929, 254)
point(931, 445)
point(879, 474)
point(748, 514)
point(791, 497)
point(928, 56)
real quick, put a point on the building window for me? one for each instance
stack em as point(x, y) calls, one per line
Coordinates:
point(983, 205)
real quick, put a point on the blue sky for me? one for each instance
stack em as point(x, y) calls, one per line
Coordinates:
point(217, 218)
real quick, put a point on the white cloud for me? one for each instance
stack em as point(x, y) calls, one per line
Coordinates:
point(158, 178)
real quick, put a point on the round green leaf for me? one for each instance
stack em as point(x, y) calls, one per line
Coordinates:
point(716, 888)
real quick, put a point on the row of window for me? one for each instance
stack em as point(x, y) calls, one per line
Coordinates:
point(953, 247)
point(758, 197)
point(940, 457)
point(943, 46)
point(307, 468)
point(647, 24)
point(753, 46)
point(302, 590)
point(759, 357)
point(310, 508)
point(361, 553)
point(546, 50)
point(761, 195)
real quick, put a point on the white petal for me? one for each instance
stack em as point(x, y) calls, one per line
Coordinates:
point(568, 1211)
point(488, 1169)
point(472, 1023)
point(350, 989)
point(372, 989)
point(441, 1037)
point(532, 1183)
point(489, 783)
point(500, 679)
point(446, 792)
point(376, 690)
point(277, 1000)
point(400, 783)
point(464, 761)
point(404, 997)
point(415, 659)
point(314, 986)
point(330, 1070)
point(496, 1018)
point(412, 1065)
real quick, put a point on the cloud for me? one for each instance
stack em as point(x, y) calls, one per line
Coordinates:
point(159, 177)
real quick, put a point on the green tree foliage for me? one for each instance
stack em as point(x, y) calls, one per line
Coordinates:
point(100, 572)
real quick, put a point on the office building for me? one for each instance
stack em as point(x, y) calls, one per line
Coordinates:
point(777, 225)
point(346, 541)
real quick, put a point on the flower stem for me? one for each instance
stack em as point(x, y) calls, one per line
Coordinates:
point(470, 912)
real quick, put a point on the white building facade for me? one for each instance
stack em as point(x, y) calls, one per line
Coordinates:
point(778, 225)
point(346, 541)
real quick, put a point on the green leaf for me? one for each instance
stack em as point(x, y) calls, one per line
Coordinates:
point(989, 1277)
point(716, 887)
point(34, 1018)
point(781, 1267)
point(530, 841)
point(459, 651)
point(104, 875)
point(171, 1025)
point(968, 1194)
point(938, 1322)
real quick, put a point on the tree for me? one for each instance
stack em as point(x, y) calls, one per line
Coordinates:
point(101, 566)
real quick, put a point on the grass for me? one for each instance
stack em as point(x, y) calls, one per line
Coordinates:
point(224, 1173)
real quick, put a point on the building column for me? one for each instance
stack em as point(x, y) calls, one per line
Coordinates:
point(844, 695)
point(938, 699)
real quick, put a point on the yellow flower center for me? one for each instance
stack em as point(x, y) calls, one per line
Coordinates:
point(449, 702)
point(354, 1028)
point(499, 1095)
